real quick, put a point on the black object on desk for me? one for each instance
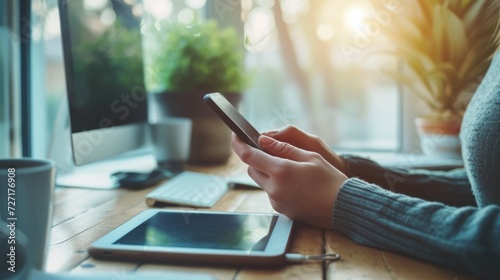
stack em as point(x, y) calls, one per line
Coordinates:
point(138, 180)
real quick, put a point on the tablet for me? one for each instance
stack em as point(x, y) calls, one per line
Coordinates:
point(183, 236)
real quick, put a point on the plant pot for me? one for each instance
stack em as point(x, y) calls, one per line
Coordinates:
point(439, 138)
point(210, 137)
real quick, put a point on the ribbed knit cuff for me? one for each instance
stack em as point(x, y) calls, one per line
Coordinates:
point(377, 217)
point(353, 213)
point(449, 187)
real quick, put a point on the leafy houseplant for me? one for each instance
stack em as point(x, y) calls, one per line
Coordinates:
point(201, 57)
point(190, 62)
point(447, 47)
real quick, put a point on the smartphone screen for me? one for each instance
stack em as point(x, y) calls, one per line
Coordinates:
point(233, 119)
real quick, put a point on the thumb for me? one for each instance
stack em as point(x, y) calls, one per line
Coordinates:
point(282, 149)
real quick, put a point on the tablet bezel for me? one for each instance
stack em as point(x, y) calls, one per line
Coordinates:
point(272, 255)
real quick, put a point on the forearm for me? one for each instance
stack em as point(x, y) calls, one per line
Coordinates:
point(460, 238)
point(449, 187)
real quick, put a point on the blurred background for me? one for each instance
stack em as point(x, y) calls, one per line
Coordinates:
point(315, 64)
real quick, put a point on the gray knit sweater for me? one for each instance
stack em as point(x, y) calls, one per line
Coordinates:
point(424, 214)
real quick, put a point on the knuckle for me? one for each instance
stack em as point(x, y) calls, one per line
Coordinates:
point(246, 155)
point(284, 148)
point(317, 142)
point(316, 158)
point(250, 171)
point(290, 128)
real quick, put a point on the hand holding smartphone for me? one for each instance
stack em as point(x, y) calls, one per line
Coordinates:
point(233, 119)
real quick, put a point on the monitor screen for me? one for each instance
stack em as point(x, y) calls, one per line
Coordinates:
point(105, 78)
point(104, 67)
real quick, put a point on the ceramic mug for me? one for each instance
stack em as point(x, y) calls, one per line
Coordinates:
point(171, 140)
point(27, 193)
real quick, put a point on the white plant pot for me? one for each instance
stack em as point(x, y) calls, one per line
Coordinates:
point(439, 138)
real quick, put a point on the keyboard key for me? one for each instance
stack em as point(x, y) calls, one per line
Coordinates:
point(190, 189)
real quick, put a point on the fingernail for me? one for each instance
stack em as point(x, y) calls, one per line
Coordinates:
point(265, 140)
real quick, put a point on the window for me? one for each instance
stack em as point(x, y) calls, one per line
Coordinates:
point(48, 79)
point(313, 64)
point(315, 67)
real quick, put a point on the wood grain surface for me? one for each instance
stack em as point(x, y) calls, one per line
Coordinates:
point(82, 216)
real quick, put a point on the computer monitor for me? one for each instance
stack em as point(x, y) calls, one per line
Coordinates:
point(105, 82)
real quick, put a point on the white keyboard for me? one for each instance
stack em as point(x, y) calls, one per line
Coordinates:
point(190, 189)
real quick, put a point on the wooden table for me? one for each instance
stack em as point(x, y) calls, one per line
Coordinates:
point(81, 216)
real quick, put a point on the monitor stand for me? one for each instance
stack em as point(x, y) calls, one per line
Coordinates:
point(95, 175)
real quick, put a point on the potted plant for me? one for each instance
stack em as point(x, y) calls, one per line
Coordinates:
point(447, 47)
point(190, 62)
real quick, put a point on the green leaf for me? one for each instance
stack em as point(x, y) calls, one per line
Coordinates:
point(201, 57)
point(447, 46)
point(474, 11)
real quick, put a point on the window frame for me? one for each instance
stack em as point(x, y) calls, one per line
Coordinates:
point(10, 74)
point(4, 82)
point(25, 37)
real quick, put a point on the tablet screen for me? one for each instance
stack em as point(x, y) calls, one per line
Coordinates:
point(196, 230)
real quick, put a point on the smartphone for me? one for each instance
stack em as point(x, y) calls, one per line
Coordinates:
point(236, 122)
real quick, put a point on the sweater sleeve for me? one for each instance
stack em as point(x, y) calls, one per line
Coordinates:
point(465, 239)
point(449, 187)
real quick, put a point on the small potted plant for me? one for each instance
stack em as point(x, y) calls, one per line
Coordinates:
point(189, 63)
point(447, 47)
